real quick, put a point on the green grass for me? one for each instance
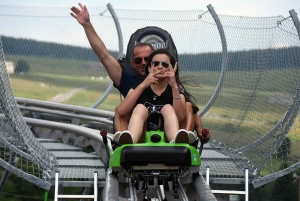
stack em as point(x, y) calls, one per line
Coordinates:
point(57, 66)
point(63, 80)
point(49, 77)
point(87, 98)
point(44, 85)
point(35, 90)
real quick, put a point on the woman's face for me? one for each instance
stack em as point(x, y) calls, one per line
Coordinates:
point(160, 62)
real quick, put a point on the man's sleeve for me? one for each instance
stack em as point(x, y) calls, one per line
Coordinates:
point(127, 82)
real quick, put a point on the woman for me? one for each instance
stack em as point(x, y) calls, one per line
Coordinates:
point(159, 91)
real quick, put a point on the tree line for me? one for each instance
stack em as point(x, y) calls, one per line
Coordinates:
point(253, 60)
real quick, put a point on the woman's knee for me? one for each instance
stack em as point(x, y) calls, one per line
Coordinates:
point(167, 109)
point(140, 110)
point(168, 112)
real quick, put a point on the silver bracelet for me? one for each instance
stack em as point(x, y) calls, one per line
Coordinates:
point(177, 97)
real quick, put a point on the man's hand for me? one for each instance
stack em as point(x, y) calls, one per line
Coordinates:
point(204, 135)
point(81, 15)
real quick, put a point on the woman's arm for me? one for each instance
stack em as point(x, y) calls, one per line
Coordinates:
point(129, 102)
point(178, 99)
point(178, 104)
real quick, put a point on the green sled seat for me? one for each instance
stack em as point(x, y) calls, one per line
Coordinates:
point(155, 152)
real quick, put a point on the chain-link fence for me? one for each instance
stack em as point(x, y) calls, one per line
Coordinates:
point(252, 117)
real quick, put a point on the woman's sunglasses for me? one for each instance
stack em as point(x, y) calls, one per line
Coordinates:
point(139, 60)
point(163, 63)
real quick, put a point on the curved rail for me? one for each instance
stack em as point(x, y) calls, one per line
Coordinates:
point(67, 114)
point(86, 132)
point(65, 107)
point(224, 61)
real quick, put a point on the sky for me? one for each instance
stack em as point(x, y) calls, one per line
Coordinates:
point(259, 8)
point(16, 23)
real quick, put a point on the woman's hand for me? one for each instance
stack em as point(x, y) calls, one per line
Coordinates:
point(170, 75)
point(151, 78)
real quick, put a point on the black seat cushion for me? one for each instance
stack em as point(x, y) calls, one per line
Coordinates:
point(141, 156)
point(156, 36)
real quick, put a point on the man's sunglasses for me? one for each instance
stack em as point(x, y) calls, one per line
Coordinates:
point(139, 60)
point(163, 63)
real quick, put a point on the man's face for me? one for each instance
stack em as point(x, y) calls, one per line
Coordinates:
point(139, 61)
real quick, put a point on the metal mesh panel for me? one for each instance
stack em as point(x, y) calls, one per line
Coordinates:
point(251, 117)
point(258, 101)
point(20, 151)
point(30, 158)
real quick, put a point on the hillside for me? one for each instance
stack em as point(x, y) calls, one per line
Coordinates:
point(238, 60)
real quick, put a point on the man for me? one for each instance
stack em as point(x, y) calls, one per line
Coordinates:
point(122, 79)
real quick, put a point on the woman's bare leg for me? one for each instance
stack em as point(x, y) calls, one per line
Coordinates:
point(137, 121)
point(170, 121)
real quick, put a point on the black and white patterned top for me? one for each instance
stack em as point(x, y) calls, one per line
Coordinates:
point(153, 102)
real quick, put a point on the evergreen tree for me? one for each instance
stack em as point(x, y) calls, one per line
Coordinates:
point(22, 66)
point(285, 188)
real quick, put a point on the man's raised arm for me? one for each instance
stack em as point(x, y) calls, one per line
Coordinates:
point(111, 65)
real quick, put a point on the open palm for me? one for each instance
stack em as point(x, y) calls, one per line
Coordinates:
point(81, 15)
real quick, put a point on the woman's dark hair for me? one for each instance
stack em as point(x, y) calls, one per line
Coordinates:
point(166, 52)
point(187, 95)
